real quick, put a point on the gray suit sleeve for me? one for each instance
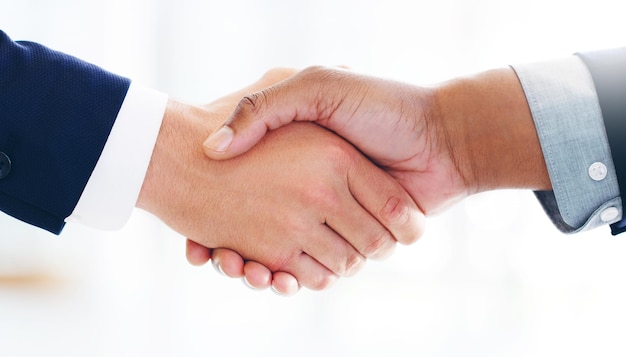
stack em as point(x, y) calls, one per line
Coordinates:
point(608, 70)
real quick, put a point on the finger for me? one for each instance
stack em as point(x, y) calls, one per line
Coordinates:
point(334, 252)
point(363, 231)
point(387, 201)
point(256, 275)
point(285, 284)
point(309, 272)
point(228, 262)
point(259, 112)
point(197, 254)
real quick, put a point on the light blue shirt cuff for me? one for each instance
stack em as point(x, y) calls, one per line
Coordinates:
point(564, 105)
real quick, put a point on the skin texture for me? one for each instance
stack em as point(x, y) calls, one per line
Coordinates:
point(303, 202)
point(440, 143)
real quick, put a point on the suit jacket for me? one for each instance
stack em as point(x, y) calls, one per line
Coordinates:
point(608, 70)
point(56, 113)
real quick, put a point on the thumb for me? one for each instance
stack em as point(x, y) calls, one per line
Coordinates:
point(255, 114)
point(234, 138)
point(295, 99)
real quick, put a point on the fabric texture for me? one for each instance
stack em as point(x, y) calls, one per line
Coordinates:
point(565, 108)
point(56, 113)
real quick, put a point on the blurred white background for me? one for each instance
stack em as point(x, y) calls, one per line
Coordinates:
point(491, 277)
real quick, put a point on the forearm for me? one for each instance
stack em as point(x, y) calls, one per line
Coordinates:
point(489, 131)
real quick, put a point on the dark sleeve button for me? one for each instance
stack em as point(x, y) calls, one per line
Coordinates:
point(5, 165)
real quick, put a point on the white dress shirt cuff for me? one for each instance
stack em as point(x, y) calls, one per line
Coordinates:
point(113, 188)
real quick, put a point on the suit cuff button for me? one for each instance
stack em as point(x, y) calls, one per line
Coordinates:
point(5, 165)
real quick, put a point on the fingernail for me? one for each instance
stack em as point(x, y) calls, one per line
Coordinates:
point(276, 291)
point(247, 283)
point(220, 140)
point(218, 266)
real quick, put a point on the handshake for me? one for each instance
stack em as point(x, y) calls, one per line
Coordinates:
point(299, 204)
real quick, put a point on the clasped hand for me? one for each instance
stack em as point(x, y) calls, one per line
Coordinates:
point(440, 143)
point(303, 204)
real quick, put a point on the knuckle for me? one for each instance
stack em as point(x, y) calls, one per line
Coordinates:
point(322, 282)
point(250, 102)
point(319, 74)
point(326, 87)
point(395, 211)
point(353, 264)
point(325, 197)
point(339, 154)
point(380, 245)
point(315, 71)
point(324, 74)
point(407, 224)
point(253, 102)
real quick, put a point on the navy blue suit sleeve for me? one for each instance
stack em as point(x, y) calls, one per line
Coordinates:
point(56, 113)
point(608, 70)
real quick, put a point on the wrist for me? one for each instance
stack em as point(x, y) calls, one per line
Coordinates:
point(489, 132)
point(178, 147)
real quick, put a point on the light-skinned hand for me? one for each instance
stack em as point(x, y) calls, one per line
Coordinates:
point(303, 202)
